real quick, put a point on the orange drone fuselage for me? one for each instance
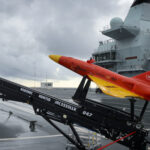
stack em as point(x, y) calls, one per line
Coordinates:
point(109, 82)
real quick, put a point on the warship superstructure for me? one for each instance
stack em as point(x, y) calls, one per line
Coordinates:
point(128, 50)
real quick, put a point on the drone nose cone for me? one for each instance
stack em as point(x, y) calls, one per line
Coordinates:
point(55, 58)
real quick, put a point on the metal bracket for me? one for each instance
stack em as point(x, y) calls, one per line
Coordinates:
point(78, 144)
point(82, 90)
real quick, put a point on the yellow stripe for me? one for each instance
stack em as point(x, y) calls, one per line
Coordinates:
point(112, 89)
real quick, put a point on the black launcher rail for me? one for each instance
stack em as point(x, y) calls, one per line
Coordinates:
point(100, 118)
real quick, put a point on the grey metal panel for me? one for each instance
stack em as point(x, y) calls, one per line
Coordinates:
point(145, 13)
point(121, 32)
point(133, 17)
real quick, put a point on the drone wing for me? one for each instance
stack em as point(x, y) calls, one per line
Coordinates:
point(112, 89)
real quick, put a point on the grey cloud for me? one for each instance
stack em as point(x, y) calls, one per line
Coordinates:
point(30, 30)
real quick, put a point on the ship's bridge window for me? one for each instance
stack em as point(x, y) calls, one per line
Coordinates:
point(105, 56)
point(113, 55)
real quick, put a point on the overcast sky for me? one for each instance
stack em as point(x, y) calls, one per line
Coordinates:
point(30, 30)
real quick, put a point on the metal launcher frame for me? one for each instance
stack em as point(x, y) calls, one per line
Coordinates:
point(108, 121)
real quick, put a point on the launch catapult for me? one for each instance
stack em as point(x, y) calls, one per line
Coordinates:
point(105, 120)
